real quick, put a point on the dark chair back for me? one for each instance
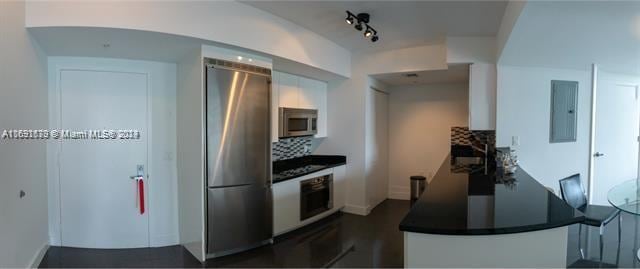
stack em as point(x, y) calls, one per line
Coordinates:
point(572, 191)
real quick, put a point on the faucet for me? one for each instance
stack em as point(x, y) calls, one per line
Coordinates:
point(484, 151)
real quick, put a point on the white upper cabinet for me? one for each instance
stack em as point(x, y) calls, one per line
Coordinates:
point(482, 96)
point(307, 93)
point(299, 92)
point(289, 90)
point(313, 95)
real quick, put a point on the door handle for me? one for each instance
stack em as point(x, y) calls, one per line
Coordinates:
point(139, 172)
point(598, 154)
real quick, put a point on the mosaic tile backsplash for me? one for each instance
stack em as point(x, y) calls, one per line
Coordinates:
point(292, 147)
point(462, 136)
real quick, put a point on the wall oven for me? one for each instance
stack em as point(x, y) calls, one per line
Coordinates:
point(316, 196)
point(297, 122)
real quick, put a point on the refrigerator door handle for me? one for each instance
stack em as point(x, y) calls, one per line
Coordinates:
point(227, 186)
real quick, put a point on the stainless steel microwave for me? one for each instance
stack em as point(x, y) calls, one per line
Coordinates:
point(297, 122)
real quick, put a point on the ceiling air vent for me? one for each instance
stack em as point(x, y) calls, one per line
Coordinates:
point(411, 75)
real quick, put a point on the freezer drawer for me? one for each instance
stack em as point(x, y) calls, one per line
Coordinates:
point(239, 218)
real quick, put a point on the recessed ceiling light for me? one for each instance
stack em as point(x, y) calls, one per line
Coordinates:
point(239, 58)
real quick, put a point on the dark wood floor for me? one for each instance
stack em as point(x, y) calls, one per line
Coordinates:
point(371, 241)
point(343, 240)
point(622, 256)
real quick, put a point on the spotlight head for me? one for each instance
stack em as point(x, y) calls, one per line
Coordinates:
point(368, 33)
point(350, 18)
point(374, 38)
point(358, 26)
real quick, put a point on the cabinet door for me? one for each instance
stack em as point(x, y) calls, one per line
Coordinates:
point(286, 206)
point(339, 186)
point(275, 100)
point(288, 90)
point(313, 95)
point(308, 92)
point(320, 100)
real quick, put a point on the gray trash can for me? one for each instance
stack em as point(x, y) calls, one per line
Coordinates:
point(418, 184)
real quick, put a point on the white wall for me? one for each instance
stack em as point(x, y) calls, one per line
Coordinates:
point(23, 105)
point(420, 121)
point(471, 50)
point(163, 183)
point(190, 157)
point(346, 102)
point(482, 96)
point(377, 142)
point(226, 22)
point(575, 34)
point(509, 19)
point(523, 110)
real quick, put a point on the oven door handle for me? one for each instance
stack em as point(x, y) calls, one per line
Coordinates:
point(330, 187)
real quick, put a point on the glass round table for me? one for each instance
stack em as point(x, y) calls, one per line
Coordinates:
point(626, 197)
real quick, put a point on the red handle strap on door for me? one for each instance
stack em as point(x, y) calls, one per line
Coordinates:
point(141, 195)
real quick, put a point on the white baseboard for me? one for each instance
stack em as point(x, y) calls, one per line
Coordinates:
point(398, 192)
point(54, 241)
point(358, 210)
point(399, 195)
point(38, 256)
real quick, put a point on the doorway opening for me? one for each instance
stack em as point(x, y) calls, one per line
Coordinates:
point(423, 106)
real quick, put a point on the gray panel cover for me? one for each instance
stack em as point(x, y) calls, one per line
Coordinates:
point(564, 111)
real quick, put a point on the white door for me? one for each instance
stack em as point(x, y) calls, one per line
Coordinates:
point(377, 147)
point(98, 200)
point(616, 136)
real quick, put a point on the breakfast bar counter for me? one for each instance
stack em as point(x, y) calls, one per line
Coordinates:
point(473, 216)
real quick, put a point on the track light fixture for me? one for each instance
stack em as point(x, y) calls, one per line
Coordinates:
point(358, 21)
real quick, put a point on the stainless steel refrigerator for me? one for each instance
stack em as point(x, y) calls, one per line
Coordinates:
point(239, 201)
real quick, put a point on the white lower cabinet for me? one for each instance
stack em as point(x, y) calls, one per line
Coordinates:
point(286, 205)
point(339, 187)
point(286, 200)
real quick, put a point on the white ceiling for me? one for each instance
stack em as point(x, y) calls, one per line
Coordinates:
point(575, 34)
point(143, 45)
point(457, 73)
point(400, 24)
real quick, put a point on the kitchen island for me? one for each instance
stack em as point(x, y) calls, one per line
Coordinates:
point(472, 216)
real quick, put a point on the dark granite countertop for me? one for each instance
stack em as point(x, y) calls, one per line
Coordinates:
point(297, 167)
point(471, 202)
